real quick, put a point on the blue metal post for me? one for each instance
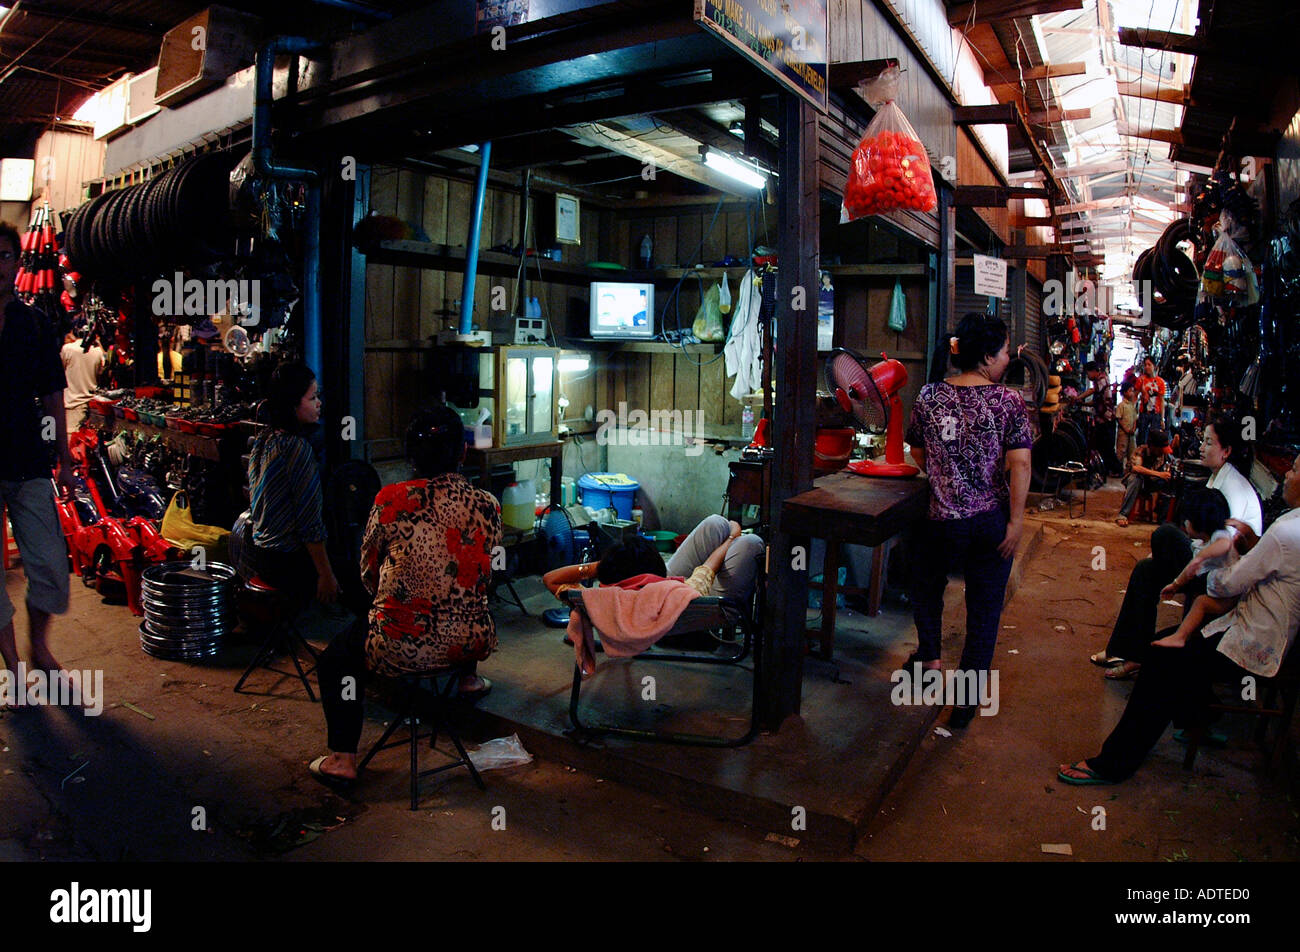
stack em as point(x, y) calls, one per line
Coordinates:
point(471, 248)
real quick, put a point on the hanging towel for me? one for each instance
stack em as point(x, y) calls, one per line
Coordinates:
point(744, 349)
point(629, 621)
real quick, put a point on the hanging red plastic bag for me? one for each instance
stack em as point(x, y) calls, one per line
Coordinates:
point(890, 168)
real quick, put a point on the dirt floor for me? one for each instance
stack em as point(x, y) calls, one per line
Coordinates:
point(180, 767)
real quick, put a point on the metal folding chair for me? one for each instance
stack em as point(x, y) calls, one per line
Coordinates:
point(701, 614)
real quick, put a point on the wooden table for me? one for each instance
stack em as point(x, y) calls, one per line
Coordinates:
point(847, 508)
point(486, 459)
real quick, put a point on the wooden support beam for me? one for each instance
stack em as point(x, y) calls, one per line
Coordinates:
point(1030, 221)
point(1052, 116)
point(1140, 90)
point(1096, 168)
point(993, 196)
point(1034, 251)
point(1119, 201)
point(848, 75)
point(998, 114)
point(1050, 71)
point(1162, 40)
point(1172, 136)
point(988, 11)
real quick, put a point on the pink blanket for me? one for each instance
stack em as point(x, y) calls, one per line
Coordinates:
point(629, 621)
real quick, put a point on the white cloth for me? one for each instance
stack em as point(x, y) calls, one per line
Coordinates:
point(743, 351)
point(1259, 631)
point(1243, 501)
point(81, 368)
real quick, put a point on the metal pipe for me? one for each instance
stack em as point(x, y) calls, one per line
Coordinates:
point(475, 234)
point(266, 165)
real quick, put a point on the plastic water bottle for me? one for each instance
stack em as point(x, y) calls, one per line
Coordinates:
point(747, 422)
point(647, 251)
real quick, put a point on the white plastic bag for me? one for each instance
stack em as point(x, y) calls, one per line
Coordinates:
point(500, 753)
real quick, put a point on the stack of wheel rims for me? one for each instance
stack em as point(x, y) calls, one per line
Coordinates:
point(188, 611)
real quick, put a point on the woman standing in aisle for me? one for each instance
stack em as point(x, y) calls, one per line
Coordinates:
point(966, 432)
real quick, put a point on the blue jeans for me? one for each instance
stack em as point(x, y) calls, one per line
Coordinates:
point(1146, 423)
point(970, 546)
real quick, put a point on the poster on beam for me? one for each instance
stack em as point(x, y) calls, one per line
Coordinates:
point(785, 37)
point(990, 276)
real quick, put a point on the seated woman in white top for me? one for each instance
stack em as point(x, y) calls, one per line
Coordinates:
point(1227, 455)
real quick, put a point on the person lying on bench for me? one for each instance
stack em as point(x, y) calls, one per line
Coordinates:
point(640, 600)
point(715, 559)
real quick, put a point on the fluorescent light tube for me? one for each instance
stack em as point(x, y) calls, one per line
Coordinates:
point(721, 162)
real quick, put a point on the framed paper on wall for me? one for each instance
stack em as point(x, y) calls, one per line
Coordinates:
point(567, 230)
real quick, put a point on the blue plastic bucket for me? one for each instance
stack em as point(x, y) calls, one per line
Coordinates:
point(596, 495)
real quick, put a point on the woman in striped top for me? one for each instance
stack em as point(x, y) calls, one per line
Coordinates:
point(286, 538)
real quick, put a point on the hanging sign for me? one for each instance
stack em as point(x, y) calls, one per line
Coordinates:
point(786, 37)
point(990, 276)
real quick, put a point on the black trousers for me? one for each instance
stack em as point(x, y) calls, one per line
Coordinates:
point(341, 669)
point(1135, 628)
point(1105, 443)
point(970, 546)
point(1174, 685)
point(343, 674)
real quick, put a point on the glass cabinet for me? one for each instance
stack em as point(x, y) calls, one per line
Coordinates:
point(524, 396)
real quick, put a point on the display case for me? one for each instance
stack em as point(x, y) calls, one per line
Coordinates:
point(517, 385)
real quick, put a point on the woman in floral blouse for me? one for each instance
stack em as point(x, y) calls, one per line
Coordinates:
point(426, 559)
point(966, 432)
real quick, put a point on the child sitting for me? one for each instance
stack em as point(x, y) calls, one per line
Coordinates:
point(1206, 515)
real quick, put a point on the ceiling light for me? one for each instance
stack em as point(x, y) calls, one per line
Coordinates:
point(733, 168)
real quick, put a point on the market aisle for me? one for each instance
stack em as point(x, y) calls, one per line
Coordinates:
point(991, 792)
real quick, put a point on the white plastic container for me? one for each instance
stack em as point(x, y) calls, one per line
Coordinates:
point(517, 504)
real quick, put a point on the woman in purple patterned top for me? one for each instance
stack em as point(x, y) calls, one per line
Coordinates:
point(966, 432)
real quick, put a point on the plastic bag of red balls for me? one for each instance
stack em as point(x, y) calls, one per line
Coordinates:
point(890, 168)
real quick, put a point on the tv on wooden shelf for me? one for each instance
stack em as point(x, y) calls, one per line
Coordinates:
point(622, 310)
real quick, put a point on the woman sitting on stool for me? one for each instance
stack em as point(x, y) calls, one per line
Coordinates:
point(286, 533)
point(427, 560)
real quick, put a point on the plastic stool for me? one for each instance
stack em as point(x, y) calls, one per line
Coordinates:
point(7, 542)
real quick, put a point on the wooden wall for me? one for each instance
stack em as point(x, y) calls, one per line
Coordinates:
point(972, 169)
point(406, 306)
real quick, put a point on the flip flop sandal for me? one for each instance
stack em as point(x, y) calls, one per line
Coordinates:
point(328, 779)
point(1091, 780)
point(1123, 672)
point(1103, 660)
point(478, 695)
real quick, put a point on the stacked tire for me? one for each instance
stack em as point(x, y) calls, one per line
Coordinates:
point(178, 219)
point(1172, 275)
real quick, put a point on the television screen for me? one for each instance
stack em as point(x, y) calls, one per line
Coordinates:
point(622, 309)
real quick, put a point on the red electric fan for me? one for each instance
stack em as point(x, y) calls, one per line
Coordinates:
point(870, 394)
